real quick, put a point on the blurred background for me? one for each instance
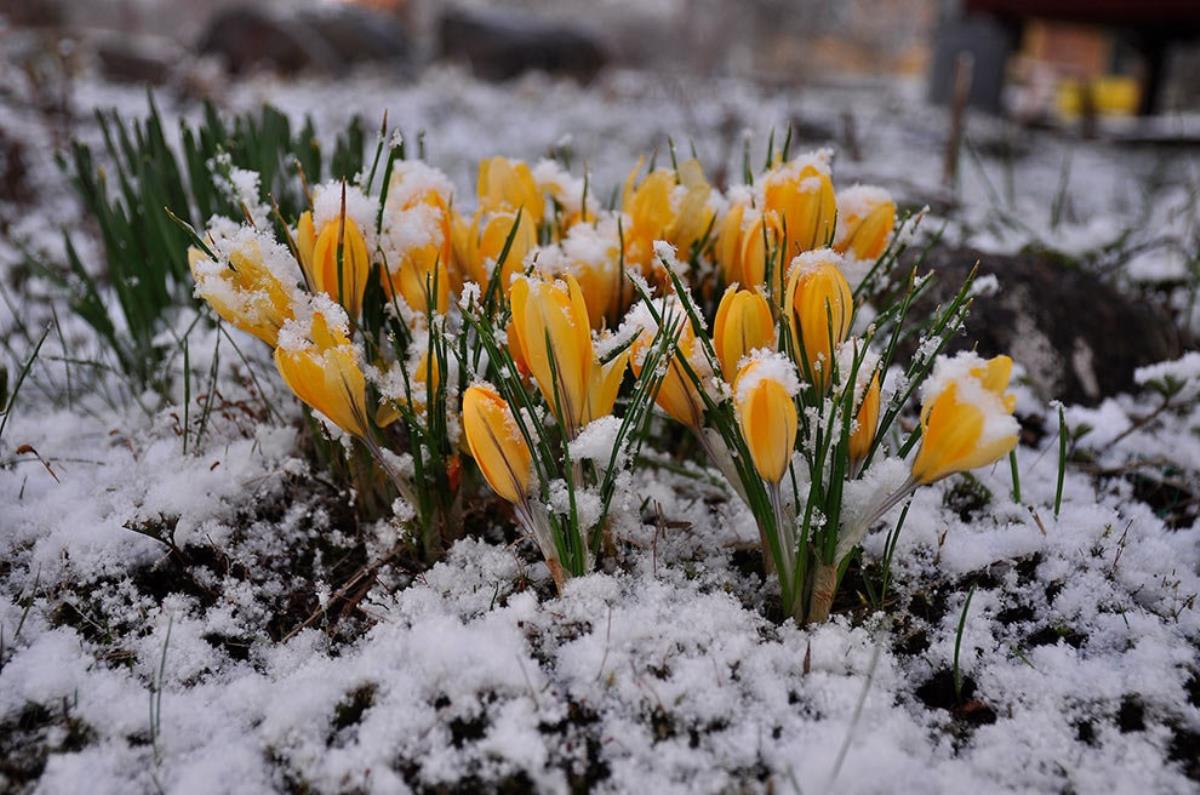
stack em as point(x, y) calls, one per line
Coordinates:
point(1040, 61)
point(1057, 142)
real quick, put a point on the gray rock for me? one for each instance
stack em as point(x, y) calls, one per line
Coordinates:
point(499, 45)
point(1078, 337)
point(326, 40)
point(144, 60)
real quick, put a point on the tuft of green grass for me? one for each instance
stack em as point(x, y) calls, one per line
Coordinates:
point(146, 198)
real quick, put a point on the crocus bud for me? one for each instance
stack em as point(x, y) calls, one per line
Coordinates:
point(802, 194)
point(508, 185)
point(677, 393)
point(251, 284)
point(763, 395)
point(866, 215)
point(966, 416)
point(819, 307)
point(319, 256)
point(496, 442)
point(320, 365)
point(551, 322)
point(743, 324)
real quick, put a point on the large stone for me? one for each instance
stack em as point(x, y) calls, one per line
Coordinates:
point(326, 40)
point(1078, 337)
point(357, 34)
point(499, 45)
point(32, 13)
point(144, 60)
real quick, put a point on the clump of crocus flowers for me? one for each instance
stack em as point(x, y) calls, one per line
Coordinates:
point(532, 332)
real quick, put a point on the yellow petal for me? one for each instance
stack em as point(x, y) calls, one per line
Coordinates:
point(728, 249)
point(306, 241)
point(355, 267)
point(808, 206)
point(606, 383)
point(866, 237)
point(867, 421)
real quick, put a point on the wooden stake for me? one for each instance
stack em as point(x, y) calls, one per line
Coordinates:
point(964, 69)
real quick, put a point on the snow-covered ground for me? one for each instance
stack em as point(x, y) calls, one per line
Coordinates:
point(270, 648)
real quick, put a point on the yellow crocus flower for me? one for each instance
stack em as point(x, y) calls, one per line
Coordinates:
point(319, 257)
point(743, 324)
point(495, 442)
point(550, 322)
point(648, 206)
point(417, 240)
point(479, 244)
point(801, 192)
point(666, 205)
point(508, 185)
point(320, 365)
point(746, 240)
point(244, 291)
point(819, 306)
point(763, 394)
point(966, 417)
point(693, 215)
point(592, 256)
point(422, 275)
point(866, 216)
